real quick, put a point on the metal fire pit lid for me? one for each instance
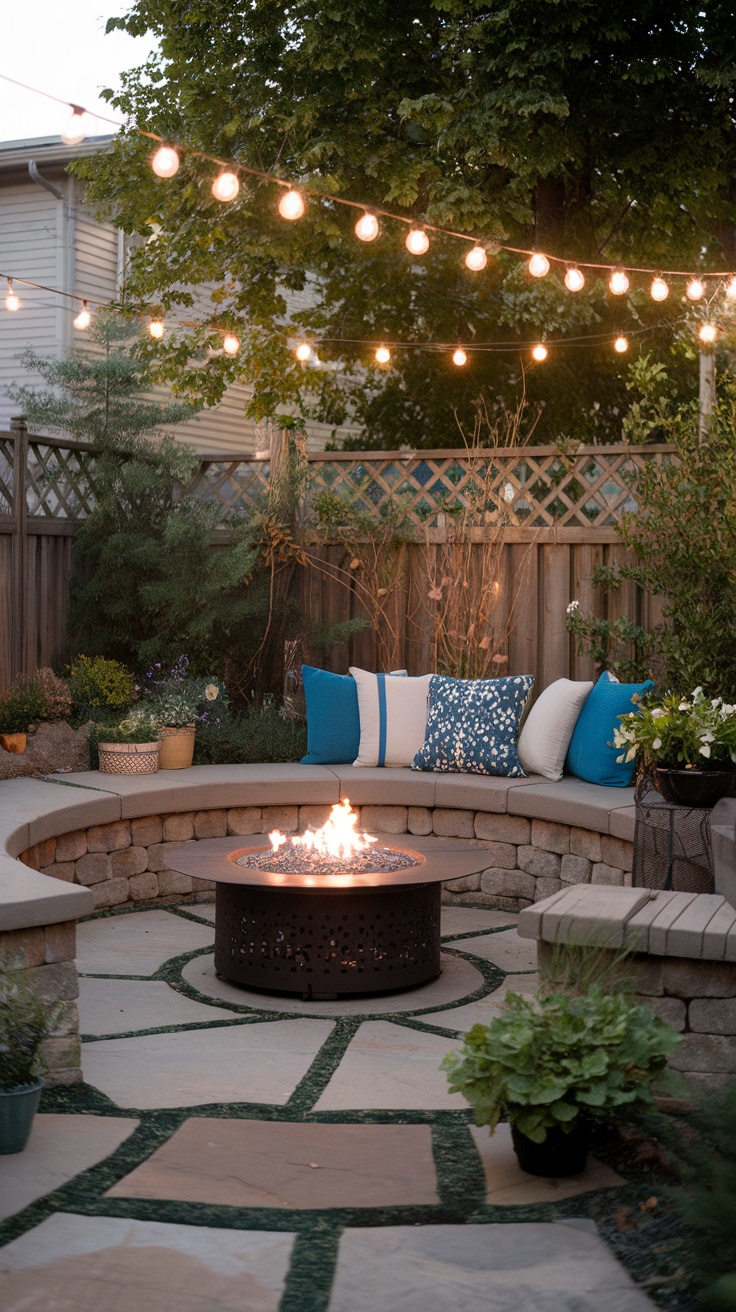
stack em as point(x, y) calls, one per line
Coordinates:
point(214, 858)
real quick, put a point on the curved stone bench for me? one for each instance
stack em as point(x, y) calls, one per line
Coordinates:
point(75, 843)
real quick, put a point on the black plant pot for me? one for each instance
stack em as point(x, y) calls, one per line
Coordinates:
point(560, 1154)
point(698, 788)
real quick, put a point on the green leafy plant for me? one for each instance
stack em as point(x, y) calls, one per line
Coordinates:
point(263, 734)
point(697, 732)
point(97, 684)
point(140, 726)
point(25, 1021)
point(546, 1062)
point(22, 705)
point(704, 1149)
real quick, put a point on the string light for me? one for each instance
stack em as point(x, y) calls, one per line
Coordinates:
point(619, 283)
point(226, 186)
point(291, 205)
point(708, 333)
point(539, 352)
point(659, 290)
point(538, 265)
point(383, 355)
point(731, 289)
point(695, 290)
point(417, 241)
point(303, 352)
point(74, 131)
point(156, 329)
point(621, 344)
point(574, 280)
point(476, 259)
point(84, 318)
point(366, 229)
point(459, 358)
point(230, 344)
point(12, 302)
point(165, 162)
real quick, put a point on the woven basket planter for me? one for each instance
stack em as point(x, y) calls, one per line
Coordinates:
point(177, 748)
point(128, 758)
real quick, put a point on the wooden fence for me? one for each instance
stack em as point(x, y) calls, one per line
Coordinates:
point(547, 518)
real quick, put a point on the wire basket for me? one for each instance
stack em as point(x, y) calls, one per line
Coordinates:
point(671, 845)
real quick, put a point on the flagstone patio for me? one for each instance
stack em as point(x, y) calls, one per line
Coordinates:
point(233, 1150)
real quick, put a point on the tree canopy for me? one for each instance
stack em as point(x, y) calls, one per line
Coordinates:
point(599, 133)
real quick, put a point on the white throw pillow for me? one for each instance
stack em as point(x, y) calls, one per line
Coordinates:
point(549, 726)
point(393, 717)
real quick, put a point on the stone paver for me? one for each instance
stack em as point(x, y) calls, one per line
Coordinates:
point(202, 910)
point(276, 1164)
point(137, 943)
point(537, 1267)
point(460, 1019)
point(390, 1066)
point(458, 979)
point(58, 1149)
point(116, 1006)
point(505, 950)
point(463, 920)
point(81, 1264)
point(507, 1184)
point(261, 1062)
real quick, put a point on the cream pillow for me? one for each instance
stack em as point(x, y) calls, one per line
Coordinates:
point(393, 717)
point(549, 726)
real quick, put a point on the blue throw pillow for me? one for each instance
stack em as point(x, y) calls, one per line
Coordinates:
point(590, 755)
point(473, 724)
point(333, 722)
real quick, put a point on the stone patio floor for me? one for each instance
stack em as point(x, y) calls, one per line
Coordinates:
point(232, 1151)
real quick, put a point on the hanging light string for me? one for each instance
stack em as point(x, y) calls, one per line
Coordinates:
point(226, 186)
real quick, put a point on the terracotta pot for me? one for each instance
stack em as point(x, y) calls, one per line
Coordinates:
point(128, 758)
point(13, 742)
point(696, 788)
point(561, 1154)
point(177, 748)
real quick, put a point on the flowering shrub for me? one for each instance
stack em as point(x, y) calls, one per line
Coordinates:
point(97, 683)
point(178, 700)
point(699, 733)
point(56, 694)
point(139, 726)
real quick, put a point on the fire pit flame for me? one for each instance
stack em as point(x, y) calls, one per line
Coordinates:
point(337, 840)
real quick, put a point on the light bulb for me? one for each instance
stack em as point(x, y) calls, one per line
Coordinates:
point(708, 334)
point(12, 302)
point(539, 352)
point(367, 227)
point(230, 344)
point(417, 242)
point(226, 186)
point(621, 344)
point(291, 205)
point(165, 162)
point(383, 355)
point(84, 318)
point(476, 259)
point(73, 131)
point(695, 290)
point(574, 280)
point(303, 351)
point(538, 265)
point(731, 289)
point(459, 358)
point(619, 283)
point(156, 329)
point(659, 289)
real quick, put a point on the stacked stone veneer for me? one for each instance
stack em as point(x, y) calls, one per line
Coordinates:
point(126, 860)
point(48, 954)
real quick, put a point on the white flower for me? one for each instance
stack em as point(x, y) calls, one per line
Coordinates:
point(684, 706)
point(658, 713)
point(573, 608)
point(212, 692)
point(705, 749)
point(716, 702)
point(656, 744)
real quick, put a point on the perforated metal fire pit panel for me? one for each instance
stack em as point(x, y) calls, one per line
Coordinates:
point(316, 942)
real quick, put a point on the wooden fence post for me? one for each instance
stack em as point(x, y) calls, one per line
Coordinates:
point(18, 591)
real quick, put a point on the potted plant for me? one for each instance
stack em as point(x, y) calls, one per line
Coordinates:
point(130, 747)
point(25, 1021)
point(689, 742)
point(176, 700)
point(553, 1066)
point(19, 708)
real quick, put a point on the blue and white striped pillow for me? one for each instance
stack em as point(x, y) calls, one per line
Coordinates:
point(393, 717)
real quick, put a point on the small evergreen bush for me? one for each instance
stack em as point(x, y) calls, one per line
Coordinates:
point(98, 684)
point(25, 1021)
point(250, 736)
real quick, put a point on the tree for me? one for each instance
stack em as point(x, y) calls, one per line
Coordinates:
point(598, 134)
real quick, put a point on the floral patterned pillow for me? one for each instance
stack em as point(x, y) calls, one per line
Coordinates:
point(473, 725)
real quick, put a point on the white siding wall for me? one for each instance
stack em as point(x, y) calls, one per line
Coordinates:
point(31, 246)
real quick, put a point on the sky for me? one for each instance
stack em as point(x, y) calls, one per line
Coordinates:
point(60, 47)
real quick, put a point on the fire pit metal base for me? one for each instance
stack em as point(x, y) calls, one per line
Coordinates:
point(319, 942)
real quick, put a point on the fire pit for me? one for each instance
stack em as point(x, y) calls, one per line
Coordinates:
point(330, 912)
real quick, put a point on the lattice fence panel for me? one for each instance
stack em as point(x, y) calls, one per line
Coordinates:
point(58, 481)
point(7, 501)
